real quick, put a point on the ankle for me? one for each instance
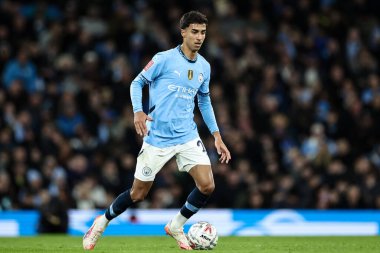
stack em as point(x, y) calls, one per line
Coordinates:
point(178, 221)
point(103, 220)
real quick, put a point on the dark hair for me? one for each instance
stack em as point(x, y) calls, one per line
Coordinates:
point(192, 17)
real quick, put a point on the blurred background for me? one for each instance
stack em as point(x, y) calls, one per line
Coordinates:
point(295, 87)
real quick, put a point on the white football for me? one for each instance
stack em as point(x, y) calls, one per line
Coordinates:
point(202, 236)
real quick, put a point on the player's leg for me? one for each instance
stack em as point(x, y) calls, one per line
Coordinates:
point(204, 181)
point(136, 194)
point(197, 199)
point(193, 159)
point(149, 163)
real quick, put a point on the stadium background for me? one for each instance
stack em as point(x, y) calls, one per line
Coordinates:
point(295, 88)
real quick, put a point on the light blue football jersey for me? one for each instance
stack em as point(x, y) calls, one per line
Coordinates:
point(174, 81)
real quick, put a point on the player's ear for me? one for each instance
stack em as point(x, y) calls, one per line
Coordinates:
point(183, 33)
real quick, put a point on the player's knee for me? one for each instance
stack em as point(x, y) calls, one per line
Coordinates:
point(207, 189)
point(138, 196)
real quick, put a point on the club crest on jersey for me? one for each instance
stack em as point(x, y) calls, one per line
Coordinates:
point(200, 77)
point(190, 74)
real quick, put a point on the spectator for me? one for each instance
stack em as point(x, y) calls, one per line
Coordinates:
point(23, 70)
point(53, 214)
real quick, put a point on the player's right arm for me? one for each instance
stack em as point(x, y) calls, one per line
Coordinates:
point(140, 125)
point(150, 72)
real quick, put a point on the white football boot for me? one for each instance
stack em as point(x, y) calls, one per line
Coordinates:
point(179, 236)
point(95, 232)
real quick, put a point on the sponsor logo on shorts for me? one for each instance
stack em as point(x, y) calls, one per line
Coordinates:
point(147, 171)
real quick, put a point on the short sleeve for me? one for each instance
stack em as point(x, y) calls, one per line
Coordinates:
point(154, 67)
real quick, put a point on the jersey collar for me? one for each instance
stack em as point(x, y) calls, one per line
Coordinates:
point(184, 56)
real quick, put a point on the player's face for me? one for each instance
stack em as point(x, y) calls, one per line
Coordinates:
point(194, 35)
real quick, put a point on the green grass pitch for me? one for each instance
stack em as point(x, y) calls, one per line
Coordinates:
point(110, 244)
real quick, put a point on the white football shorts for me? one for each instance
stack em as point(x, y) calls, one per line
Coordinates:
point(151, 159)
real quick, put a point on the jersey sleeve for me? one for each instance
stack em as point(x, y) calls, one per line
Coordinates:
point(154, 68)
point(150, 72)
point(204, 104)
point(136, 93)
point(204, 89)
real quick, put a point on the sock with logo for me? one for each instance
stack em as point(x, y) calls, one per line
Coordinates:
point(195, 201)
point(119, 205)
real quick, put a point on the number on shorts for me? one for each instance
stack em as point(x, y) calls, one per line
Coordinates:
point(200, 143)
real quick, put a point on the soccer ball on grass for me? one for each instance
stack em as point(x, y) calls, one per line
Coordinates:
point(202, 236)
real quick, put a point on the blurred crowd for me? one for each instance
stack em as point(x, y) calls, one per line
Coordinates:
point(295, 87)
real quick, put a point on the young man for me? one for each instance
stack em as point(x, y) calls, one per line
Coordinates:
point(174, 78)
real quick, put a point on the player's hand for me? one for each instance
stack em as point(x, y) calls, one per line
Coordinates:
point(222, 149)
point(140, 123)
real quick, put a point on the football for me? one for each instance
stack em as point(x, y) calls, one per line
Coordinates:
point(202, 236)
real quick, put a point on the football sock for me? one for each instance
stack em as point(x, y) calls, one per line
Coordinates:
point(178, 221)
point(103, 221)
point(119, 205)
point(195, 201)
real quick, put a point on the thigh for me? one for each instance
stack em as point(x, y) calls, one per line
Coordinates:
point(151, 160)
point(191, 154)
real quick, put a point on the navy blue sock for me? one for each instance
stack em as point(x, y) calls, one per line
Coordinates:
point(119, 205)
point(195, 201)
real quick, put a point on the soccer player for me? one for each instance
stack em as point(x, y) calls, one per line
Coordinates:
point(174, 77)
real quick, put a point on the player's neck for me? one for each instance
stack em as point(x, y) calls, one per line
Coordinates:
point(191, 55)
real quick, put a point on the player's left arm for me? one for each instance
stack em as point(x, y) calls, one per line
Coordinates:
point(205, 106)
